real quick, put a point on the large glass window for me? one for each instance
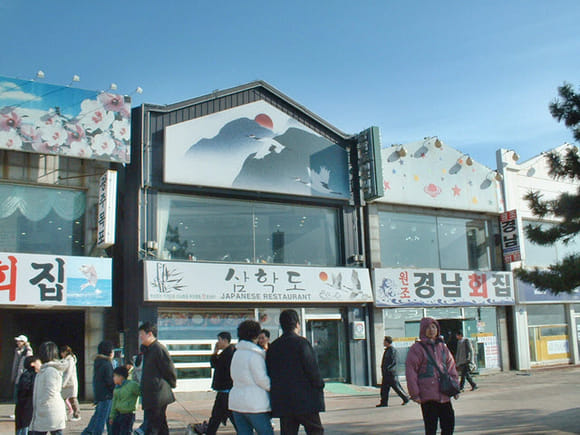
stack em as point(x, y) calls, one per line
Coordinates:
point(41, 220)
point(205, 229)
point(548, 332)
point(545, 255)
point(411, 240)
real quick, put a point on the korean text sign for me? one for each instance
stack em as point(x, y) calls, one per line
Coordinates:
point(510, 236)
point(35, 279)
point(435, 287)
point(187, 281)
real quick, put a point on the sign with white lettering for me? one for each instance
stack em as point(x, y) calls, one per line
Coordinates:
point(55, 280)
point(510, 236)
point(436, 287)
point(210, 282)
point(107, 209)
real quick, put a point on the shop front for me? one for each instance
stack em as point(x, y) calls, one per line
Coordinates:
point(218, 297)
point(243, 204)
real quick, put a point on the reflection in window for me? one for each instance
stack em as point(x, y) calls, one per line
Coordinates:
point(206, 229)
point(41, 220)
point(410, 240)
point(545, 255)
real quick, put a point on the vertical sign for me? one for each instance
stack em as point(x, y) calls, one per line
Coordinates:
point(510, 241)
point(370, 163)
point(107, 209)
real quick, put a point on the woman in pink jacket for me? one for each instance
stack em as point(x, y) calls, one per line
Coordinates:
point(423, 378)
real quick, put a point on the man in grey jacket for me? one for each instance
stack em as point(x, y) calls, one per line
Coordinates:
point(22, 350)
point(390, 379)
point(463, 359)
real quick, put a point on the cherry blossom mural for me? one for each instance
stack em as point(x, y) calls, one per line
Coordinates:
point(49, 119)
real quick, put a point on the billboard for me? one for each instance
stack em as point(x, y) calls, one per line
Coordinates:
point(255, 147)
point(510, 236)
point(55, 280)
point(50, 119)
point(436, 287)
point(205, 282)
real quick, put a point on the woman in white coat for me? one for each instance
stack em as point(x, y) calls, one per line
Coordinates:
point(49, 411)
point(249, 399)
point(70, 383)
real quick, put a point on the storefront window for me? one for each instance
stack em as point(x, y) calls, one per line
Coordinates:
point(204, 229)
point(41, 220)
point(548, 332)
point(479, 324)
point(412, 240)
point(544, 255)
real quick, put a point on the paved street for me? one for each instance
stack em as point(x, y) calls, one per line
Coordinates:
point(544, 402)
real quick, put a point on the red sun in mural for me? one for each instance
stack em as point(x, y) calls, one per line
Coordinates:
point(264, 120)
point(323, 276)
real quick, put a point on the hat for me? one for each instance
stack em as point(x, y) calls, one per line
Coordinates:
point(21, 337)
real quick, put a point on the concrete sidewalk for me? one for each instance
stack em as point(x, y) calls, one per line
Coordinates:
point(541, 402)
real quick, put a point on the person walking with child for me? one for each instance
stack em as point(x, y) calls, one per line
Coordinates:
point(125, 397)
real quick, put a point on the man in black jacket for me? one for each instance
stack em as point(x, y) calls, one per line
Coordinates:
point(296, 393)
point(390, 379)
point(157, 379)
point(222, 382)
point(103, 386)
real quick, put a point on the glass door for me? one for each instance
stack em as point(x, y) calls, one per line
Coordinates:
point(328, 339)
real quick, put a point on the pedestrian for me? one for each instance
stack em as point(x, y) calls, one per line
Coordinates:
point(70, 383)
point(137, 370)
point(464, 360)
point(220, 362)
point(423, 378)
point(157, 379)
point(249, 399)
point(264, 339)
point(103, 386)
point(125, 397)
point(22, 350)
point(49, 410)
point(297, 392)
point(390, 378)
point(24, 406)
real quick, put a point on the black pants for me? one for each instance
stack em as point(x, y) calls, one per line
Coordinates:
point(434, 412)
point(123, 424)
point(464, 372)
point(388, 382)
point(220, 413)
point(156, 421)
point(312, 425)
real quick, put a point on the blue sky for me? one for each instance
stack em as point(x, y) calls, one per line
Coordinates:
point(479, 75)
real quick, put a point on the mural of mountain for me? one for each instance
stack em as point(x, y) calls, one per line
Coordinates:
point(307, 164)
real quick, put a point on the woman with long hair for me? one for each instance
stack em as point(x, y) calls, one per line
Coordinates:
point(70, 383)
point(49, 411)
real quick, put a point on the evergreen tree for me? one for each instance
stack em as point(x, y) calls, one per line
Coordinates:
point(564, 276)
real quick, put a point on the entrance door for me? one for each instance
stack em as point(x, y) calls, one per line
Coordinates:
point(328, 339)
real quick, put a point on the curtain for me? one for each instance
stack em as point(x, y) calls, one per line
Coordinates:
point(35, 203)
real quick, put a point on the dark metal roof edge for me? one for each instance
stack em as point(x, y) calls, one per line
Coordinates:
point(245, 87)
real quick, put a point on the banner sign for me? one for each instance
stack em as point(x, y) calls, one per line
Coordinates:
point(107, 209)
point(55, 280)
point(205, 282)
point(50, 119)
point(527, 292)
point(510, 236)
point(436, 287)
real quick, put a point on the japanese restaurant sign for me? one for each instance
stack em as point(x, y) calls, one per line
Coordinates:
point(207, 282)
point(510, 236)
point(54, 280)
point(436, 287)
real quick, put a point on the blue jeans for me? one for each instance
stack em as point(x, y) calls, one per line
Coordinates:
point(99, 419)
point(22, 431)
point(246, 423)
point(123, 424)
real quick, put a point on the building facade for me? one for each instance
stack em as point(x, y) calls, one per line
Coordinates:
point(237, 205)
point(434, 251)
point(545, 325)
point(56, 143)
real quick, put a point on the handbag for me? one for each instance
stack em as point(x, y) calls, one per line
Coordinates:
point(447, 385)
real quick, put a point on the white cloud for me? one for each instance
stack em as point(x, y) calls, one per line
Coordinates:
point(10, 91)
